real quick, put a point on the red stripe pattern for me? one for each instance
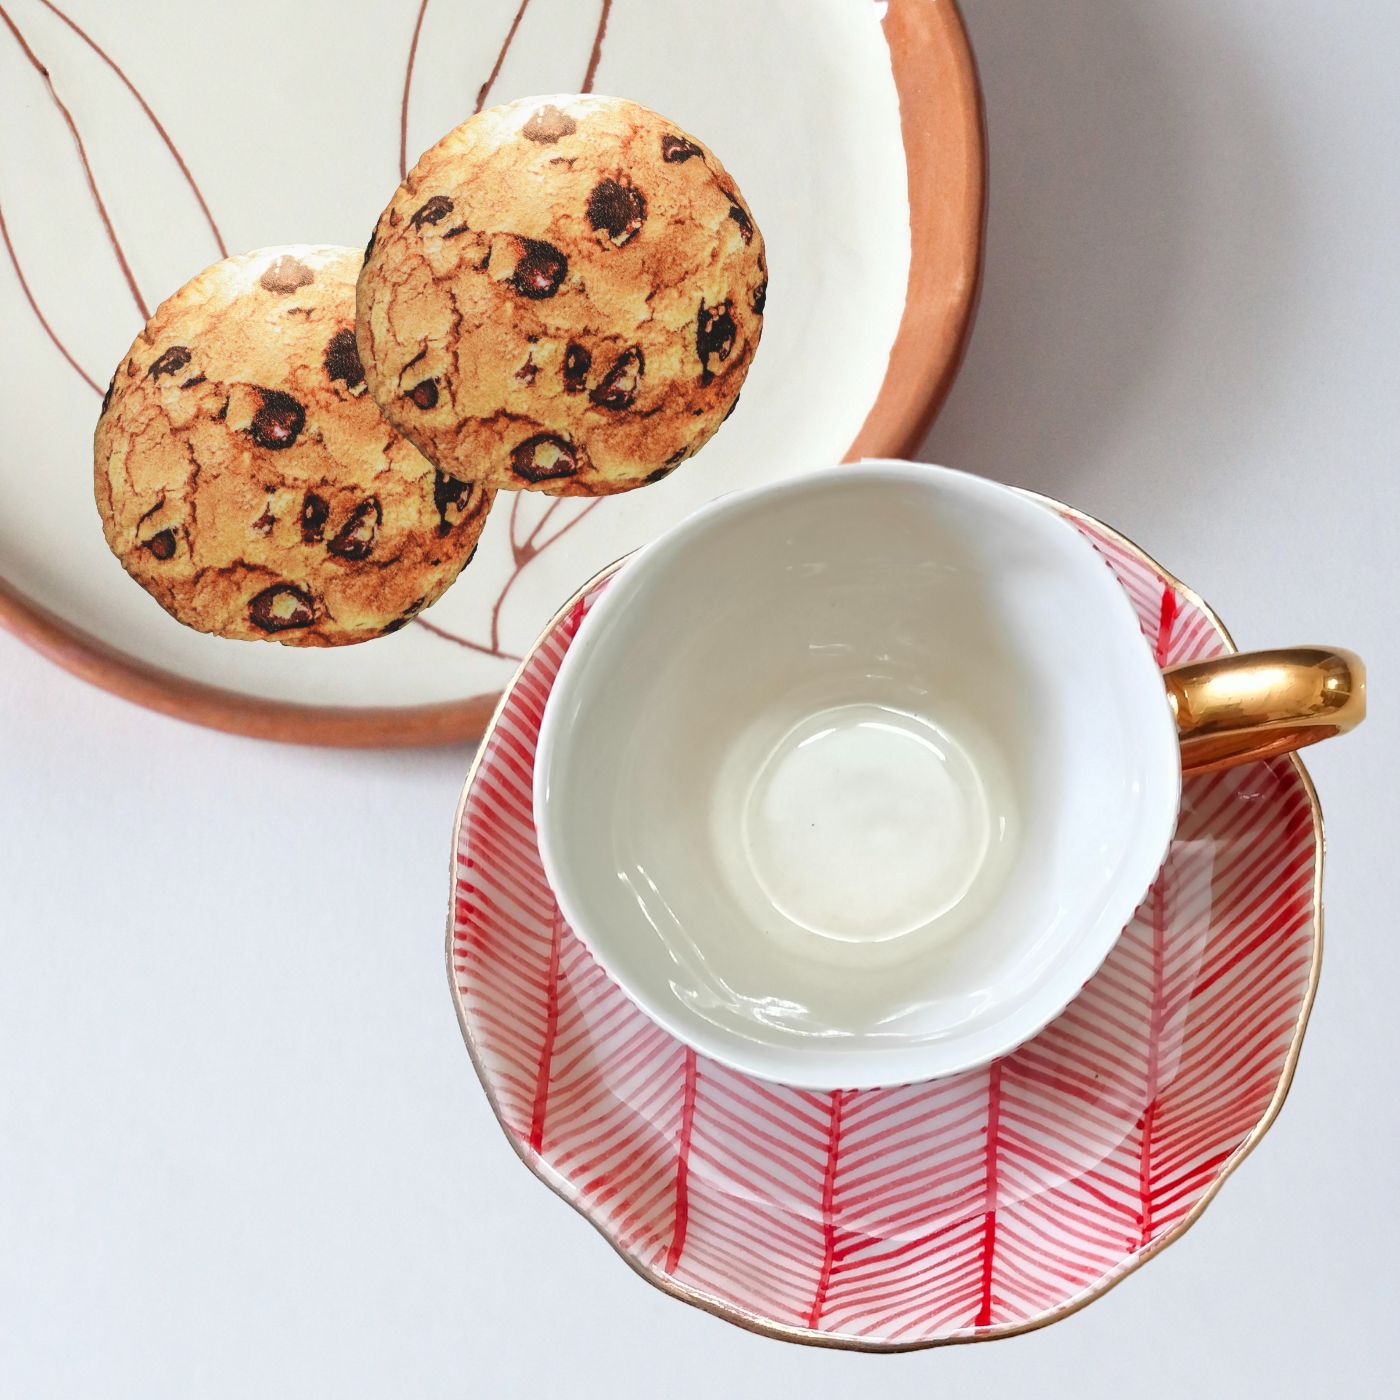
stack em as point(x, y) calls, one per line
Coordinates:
point(932, 1212)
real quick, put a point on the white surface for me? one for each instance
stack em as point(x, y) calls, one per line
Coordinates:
point(316, 159)
point(241, 1149)
point(911, 590)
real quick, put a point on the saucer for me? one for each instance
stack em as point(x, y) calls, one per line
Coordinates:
point(864, 166)
point(961, 1209)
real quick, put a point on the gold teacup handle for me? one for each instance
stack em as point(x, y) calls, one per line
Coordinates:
point(1255, 704)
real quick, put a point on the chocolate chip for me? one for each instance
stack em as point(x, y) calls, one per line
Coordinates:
point(433, 212)
point(342, 360)
point(577, 363)
point(314, 514)
point(714, 336)
point(617, 210)
point(286, 275)
point(676, 458)
point(162, 545)
point(276, 424)
point(456, 231)
point(542, 267)
point(450, 496)
point(745, 223)
point(264, 523)
point(661, 473)
point(425, 394)
point(171, 361)
point(355, 539)
point(730, 411)
point(677, 149)
point(190, 383)
point(619, 385)
point(544, 457)
point(410, 612)
point(760, 298)
point(281, 608)
point(549, 125)
point(369, 247)
point(527, 372)
point(107, 397)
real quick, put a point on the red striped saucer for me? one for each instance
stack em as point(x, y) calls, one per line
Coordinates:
point(964, 1209)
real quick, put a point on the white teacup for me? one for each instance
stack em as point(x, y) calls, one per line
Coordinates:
point(855, 779)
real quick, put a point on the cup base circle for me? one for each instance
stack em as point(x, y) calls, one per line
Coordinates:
point(865, 823)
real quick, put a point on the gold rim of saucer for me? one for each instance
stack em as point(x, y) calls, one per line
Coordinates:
point(753, 1322)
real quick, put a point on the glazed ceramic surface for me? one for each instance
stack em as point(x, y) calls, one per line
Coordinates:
point(136, 152)
point(855, 779)
point(963, 1208)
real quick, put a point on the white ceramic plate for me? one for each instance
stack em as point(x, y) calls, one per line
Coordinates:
point(166, 133)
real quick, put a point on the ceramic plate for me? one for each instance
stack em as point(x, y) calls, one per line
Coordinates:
point(138, 148)
point(968, 1208)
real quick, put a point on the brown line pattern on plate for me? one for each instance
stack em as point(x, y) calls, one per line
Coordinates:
point(465, 642)
point(87, 167)
point(596, 56)
point(514, 516)
point(407, 88)
point(526, 553)
point(39, 315)
point(500, 62)
point(150, 116)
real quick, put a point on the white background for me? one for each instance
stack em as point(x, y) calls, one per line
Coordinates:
point(242, 1152)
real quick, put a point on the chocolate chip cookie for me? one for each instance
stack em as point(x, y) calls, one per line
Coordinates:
point(564, 295)
point(246, 478)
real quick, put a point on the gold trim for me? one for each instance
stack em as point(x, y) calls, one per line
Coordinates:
point(1256, 704)
point(754, 1322)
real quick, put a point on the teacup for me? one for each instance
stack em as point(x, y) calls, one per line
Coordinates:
point(855, 779)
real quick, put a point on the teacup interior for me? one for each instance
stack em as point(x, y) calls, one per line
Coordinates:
point(857, 778)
